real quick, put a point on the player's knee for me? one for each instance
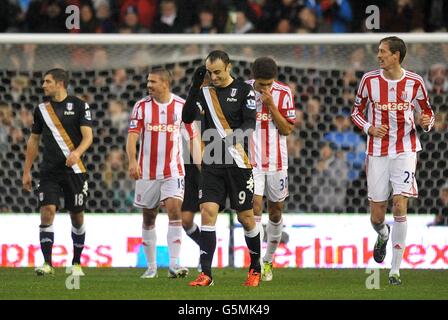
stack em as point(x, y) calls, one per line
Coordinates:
point(258, 208)
point(399, 206)
point(149, 217)
point(47, 214)
point(275, 211)
point(187, 223)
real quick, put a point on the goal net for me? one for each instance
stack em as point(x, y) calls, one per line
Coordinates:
point(323, 71)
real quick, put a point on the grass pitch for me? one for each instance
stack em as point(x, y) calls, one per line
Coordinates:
point(288, 284)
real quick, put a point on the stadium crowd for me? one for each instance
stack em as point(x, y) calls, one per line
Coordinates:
point(222, 16)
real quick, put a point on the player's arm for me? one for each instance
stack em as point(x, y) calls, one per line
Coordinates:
point(131, 150)
point(190, 109)
point(283, 125)
point(358, 117)
point(32, 150)
point(423, 106)
point(86, 142)
point(196, 152)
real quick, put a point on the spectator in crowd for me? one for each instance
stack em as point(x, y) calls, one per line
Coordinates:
point(295, 146)
point(441, 218)
point(329, 180)
point(106, 24)
point(25, 120)
point(283, 26)
point(275, 11)
point(88, 21)
point(358, 59)
point(145, 10)
point(242, 24)
point(306, 21)
point(22, 57)
point(118, 116)
point(130, 23)
point(119, 81)
point(100, 58)
point(6, 121)
point(334, 15)
point(18, 86)
point(402, 16)
point(206, 22)
point(436, 80)
point(349, 142)
point(47, 16)
point(114, 168)
point(436, 15)
point(313, 113)
point(168, 20)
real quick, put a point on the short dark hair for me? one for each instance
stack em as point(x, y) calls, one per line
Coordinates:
point(58, 75)
point(396, 44)
point(218, 55)
point(162, 72)
point(264, 68)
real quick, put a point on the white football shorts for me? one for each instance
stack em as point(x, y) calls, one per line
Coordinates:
point(149, 193)
point(396, 173)
point(272, 184)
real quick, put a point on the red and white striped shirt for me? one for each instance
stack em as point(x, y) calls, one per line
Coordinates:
point(391, 103)
point(160, 126)
point(268, 149)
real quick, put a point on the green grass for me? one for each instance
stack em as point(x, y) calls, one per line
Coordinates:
point(125, 283)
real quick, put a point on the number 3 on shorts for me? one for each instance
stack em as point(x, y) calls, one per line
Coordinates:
point(242, 197)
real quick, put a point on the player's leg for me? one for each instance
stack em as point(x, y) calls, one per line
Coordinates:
point(241, 193)
point(190, 204)
point(75, 188)
point(149, 237)
point(378, 192)
point(49, 192)
point(147, 197)
point(172, 193)
point(46, 236)
point(277, 192)
point(404, 185)
point(212, 195)
point(259, 187)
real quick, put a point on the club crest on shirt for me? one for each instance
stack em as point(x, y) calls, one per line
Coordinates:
point(69, 111)
point(233, 92)
point(404, 96)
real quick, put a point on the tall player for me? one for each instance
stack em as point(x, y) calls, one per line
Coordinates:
point(64, 123)
point(229, 109)
point(269, 154)
point(390, 95)
point(157, 121)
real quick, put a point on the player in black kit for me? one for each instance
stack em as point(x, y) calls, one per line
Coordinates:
point(64, 124)
point(229, 118)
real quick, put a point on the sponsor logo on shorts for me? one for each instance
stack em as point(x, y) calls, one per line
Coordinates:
point(200, 194)
point(41, 196)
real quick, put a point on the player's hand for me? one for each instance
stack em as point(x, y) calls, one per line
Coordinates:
point(378, 132)
point(266, 97)
point(134, 170)
point(26, 181)
point(198, 77)
point(425, 121)
point(72, 158)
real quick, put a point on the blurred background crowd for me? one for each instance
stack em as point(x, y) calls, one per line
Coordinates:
point(222, 16)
